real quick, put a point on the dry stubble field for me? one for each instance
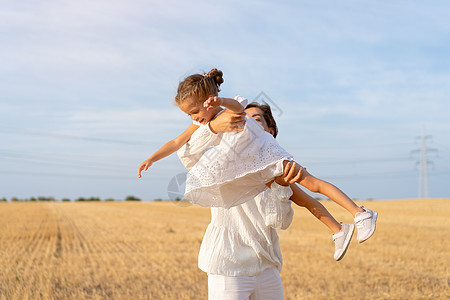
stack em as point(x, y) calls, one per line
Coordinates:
point(149, 251)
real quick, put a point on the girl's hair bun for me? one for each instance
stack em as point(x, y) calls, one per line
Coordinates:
point(201, 85)
point(217, 76)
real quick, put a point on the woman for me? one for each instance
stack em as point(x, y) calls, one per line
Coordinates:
point(240, 251)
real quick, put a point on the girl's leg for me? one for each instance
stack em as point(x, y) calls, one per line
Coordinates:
point(315, 185)
point(342, 233)
point(302, 199)
point(365, 219)
point(331, 191)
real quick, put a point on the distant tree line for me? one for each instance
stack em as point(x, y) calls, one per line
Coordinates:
point(80, 199)
point(97, 199)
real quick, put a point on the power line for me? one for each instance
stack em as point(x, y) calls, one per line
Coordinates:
point(357, 161)
point(52, 160)
point(62, 160)
point(335, 147)
point(90, 177)
point(72, 137)
point(10, 130)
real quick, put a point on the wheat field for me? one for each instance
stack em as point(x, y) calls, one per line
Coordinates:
point(137, 250)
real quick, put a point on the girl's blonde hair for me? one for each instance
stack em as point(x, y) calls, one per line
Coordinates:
point(200, 85)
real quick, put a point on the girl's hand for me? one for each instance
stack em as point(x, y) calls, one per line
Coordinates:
point(212, 102)
point(144, 167)
point(292, 173)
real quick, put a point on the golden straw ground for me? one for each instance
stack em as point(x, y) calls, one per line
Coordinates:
point(149, 251)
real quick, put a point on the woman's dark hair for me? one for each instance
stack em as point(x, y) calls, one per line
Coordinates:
point(267, 114)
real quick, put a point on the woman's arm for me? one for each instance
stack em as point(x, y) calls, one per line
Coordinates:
point(231, 104)
point(278, 212)
point(169, 148)
point(227, 121)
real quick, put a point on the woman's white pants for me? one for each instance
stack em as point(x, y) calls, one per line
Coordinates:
point(266, 285)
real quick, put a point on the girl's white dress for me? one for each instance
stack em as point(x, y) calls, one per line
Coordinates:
point(231, 168)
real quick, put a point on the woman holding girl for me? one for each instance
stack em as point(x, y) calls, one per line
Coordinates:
point(229, 169)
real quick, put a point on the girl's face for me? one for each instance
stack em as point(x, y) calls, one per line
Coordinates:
point(194, 108)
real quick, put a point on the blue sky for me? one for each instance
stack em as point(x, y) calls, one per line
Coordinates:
point(87, 87)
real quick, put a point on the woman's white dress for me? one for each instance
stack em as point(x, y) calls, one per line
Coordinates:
point(231, 168)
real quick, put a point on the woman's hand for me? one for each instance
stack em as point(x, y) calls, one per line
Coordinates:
point(228, 121)
point(144, 167)
point(292, 173)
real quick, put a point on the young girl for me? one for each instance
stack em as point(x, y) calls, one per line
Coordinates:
point(239, 165)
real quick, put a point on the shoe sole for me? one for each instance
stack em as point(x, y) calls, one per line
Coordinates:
point(348, 238)
point(374, 225)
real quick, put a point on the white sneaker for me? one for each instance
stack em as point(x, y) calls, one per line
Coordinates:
point(342, 239)
point(365, 223)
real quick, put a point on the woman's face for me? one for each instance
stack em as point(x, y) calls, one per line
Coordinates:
point(258, 115)
point(194, 108)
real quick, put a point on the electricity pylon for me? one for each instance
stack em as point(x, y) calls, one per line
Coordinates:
point(424, 191)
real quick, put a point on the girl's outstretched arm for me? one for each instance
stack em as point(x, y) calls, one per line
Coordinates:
point(231, 104)
point(169, 148)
